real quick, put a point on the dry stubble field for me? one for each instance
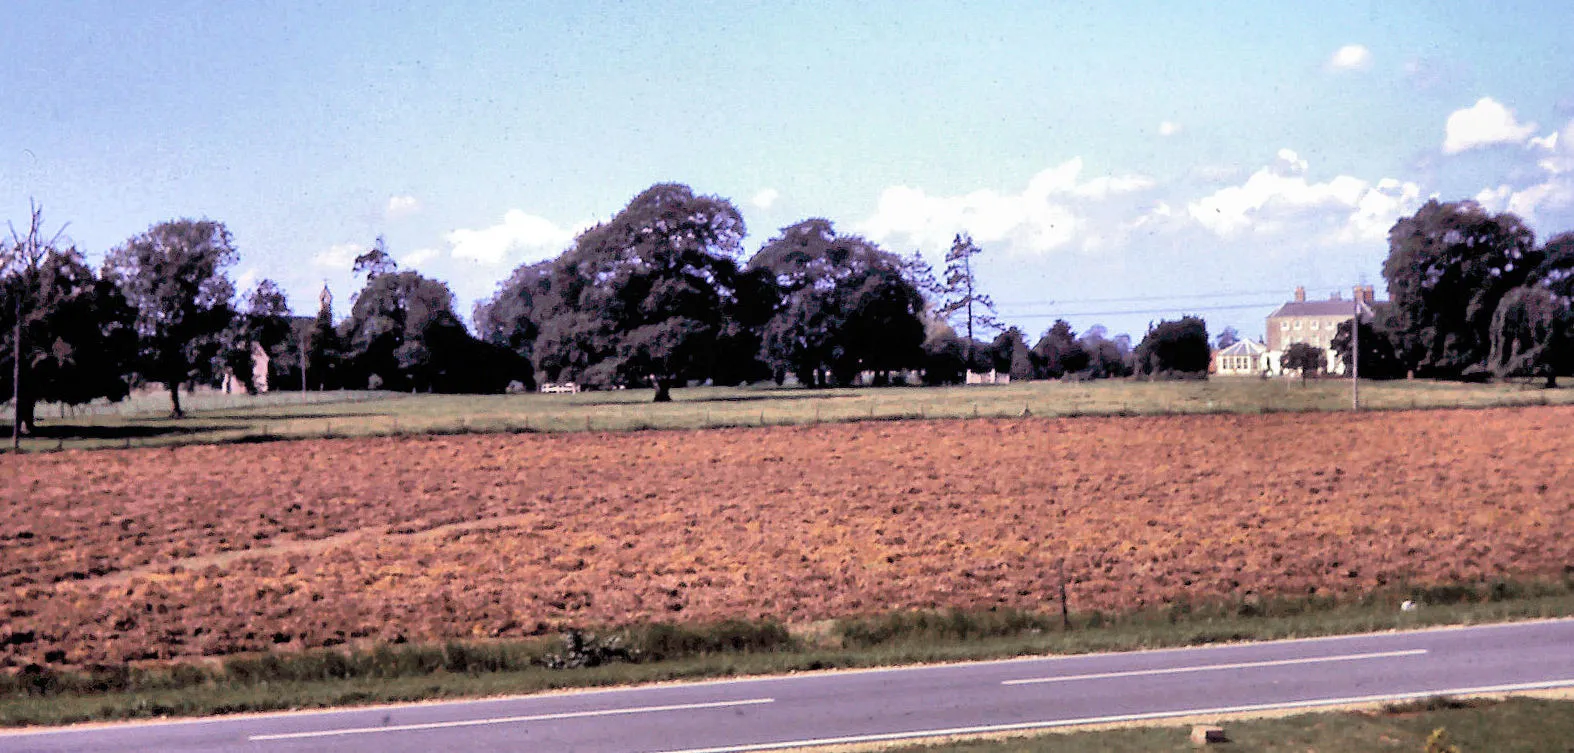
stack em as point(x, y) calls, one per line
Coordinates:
point(211, 550)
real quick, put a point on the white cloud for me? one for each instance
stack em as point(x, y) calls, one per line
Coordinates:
point(519, 235)
point(418, 257)
point(340, 256)
point(1169, 128)
point(1485, 123)
point(1054, 209)
point(1278, 198)
point(765, 198)
point(402, 206)
point(1351, 57)
point(1552, 195)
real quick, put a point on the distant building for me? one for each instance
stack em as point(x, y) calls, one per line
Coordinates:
point(1315, 323)
point(1241, 358)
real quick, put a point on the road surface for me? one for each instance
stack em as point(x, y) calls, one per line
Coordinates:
point(775, 713)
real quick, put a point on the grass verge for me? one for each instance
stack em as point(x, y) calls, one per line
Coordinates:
point(1439, 725)
point(655, 653)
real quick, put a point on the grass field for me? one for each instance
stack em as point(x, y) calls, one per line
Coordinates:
point(216, 417)
point(1514, 725)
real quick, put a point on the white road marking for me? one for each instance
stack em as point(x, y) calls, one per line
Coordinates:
point(1217, 667)
point(507, 720)
point(1050, 724)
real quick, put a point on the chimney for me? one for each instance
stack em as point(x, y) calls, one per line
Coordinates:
point(1369, 295)
point(1300, 295)
point(1334, 296)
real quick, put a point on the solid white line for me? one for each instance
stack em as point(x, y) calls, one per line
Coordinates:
point(506, 720)
point(1050, 724)
point(1216, 667)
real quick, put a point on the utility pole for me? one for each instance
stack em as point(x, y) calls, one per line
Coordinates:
point(1355, 354)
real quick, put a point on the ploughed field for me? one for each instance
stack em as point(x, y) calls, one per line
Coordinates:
point(211, 550)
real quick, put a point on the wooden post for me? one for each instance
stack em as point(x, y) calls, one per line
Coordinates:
point(1065, 610)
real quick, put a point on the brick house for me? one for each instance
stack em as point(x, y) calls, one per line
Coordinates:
point(1315, 323)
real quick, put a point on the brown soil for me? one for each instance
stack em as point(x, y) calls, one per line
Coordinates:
point(166, 553)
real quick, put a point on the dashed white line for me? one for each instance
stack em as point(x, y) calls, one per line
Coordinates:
point(1053, 723)
point(507, 720)
point(1219, 667)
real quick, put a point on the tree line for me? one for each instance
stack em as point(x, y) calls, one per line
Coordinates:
point(1472, 296)
point(658, 296)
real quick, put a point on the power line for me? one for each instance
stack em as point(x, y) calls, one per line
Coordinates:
point(1171, 309)
point(1144, 299)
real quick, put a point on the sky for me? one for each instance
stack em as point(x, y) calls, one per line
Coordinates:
point(1118, 163)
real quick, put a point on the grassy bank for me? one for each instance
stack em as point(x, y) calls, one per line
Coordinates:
point(393, 673)
point(1440, 725)
point(233, 418)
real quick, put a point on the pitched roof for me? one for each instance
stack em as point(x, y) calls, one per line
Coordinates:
point(1318, 308)
point(1244, 348)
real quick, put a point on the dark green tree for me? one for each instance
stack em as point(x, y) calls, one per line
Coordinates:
point(76, 338)
point(1530, 335)
point(1378, 359)
point(174, 277)
point(1058, 352)
point(845, 306)
point(389, 328)
point(1448, 266)
point(1304, 358)
point(643, 298)
point(1176, 348)
point(1011, 355)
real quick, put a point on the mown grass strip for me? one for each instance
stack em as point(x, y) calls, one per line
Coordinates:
point(655, 653)
point(1514, 725)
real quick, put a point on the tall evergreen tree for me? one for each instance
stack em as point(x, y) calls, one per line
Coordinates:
point(961, 294)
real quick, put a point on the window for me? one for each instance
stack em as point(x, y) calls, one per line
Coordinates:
point(1297, 323)
point(1284, 326)
point(1314, 324)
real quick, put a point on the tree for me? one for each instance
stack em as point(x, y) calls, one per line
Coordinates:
point(174, 277)
point(1304, 358)
point(1448, 267)
point(642, 298)
point(1058, 353)
point(67, 333)
point(1011, 355)
point(389, 329)
point(1530, 335)
point(1378, 359)
point(961, 293)
point(511, 318)
point(1175, 348)
point(323, 349)
point(845, 306)
point(1227, 338)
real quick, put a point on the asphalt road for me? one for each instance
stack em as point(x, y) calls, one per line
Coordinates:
point(893, 704)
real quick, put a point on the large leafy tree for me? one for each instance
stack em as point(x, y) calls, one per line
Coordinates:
point(1175, 348)
point(845, 306)
point(961, 296)
point(1448, 266)
point(1378, 359)
point(1059, 353)
point(643, 297)
point(511, 318)
point(1530, 334)
point(66, 333)
point(387, 332)
point(174, 276)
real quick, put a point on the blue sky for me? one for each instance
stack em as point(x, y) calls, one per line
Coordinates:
point(1118, 162)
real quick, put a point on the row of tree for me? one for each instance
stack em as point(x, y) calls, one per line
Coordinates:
point(162, 309)
point(1472, 296)
point(657, 296)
